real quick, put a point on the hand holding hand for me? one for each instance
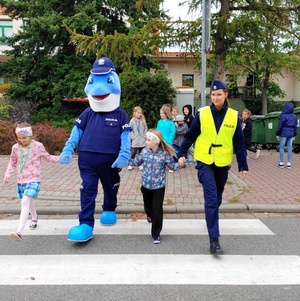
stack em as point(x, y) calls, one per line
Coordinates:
point(65, 157)
point(278, 138)
point(181, 161)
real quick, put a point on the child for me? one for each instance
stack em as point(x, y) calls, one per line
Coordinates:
point(188, 115)
point(247, 130)
point(26, 156)
point(138, 133)
point(166, 126)
point(155, 156)
point(174, 112)
point(286, 132)
point(181, 129)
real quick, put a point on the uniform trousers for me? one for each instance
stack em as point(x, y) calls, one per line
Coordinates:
point(94, 167)
point(213, 180)
point(153, 204)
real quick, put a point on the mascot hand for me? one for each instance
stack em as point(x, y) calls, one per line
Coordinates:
point(65, 157)
point(120, 162)
point(124, 154)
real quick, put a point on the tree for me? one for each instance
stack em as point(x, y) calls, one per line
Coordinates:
point(42, 58)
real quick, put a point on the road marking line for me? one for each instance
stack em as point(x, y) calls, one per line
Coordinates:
point(149, 269)
point(142, 227)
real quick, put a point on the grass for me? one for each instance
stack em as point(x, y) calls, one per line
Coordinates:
point(234, 200)
point(247, 188)
point(229, 183)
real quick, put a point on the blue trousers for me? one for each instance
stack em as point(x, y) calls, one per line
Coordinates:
point(94, 167)
point(213, 180)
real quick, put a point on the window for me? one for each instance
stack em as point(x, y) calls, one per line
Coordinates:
point(6, 30)
point(188, 80)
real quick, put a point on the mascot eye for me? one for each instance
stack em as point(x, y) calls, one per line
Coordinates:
point(90, 81)
point(111, 80)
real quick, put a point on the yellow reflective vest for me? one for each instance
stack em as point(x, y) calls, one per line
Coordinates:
point(212, 147)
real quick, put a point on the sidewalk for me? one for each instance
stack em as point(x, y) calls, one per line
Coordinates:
point(266, 189)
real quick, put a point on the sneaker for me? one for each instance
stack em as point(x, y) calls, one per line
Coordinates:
point(171, 170)
point(289, 166)
point(141, 167)
point(149, 220)
point(16, 236)
point(280, 165)
point(33, 224)
point(129, 168)
point(215, 247)
point(156, 240)
point(256, 155)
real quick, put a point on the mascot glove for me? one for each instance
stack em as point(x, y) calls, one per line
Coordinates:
point(65, 157)
point(121, 161)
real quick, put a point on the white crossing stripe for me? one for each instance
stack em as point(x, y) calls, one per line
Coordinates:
point(149, 269)
point(142, 227)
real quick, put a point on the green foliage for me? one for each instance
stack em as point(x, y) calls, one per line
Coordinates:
point(62, 115)
point(53, 138)
point(4, 107)
point(149, 91)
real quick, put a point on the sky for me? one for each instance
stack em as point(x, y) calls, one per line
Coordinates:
point(176, 12)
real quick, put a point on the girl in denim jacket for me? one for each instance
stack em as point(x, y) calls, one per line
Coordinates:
point(155, 156)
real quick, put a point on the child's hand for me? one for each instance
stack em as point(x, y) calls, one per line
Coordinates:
point(181, 161)
point(6, 179)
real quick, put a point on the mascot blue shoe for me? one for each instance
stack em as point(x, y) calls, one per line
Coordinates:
point(108, 218)
point(81, 233)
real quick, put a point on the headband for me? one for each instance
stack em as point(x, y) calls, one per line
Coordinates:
point(153, 137)
point(27, 131)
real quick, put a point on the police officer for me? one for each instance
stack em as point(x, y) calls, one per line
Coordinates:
point(217, 133)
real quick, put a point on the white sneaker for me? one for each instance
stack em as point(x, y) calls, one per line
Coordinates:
point(129, 168)
point(289, 166)
point(141, 167)
point(256, 155)
point(171, 170)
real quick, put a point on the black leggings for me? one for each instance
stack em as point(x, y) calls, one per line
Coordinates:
point(153, 204)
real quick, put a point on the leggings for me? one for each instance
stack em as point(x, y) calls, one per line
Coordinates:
point(28, 206)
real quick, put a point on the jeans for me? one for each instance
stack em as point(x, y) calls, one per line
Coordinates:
point(289, 143)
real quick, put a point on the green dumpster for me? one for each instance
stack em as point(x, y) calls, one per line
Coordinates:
point(258, 130)
point(296, 142)
point(271, 125)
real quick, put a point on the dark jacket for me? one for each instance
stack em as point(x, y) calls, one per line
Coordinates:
point(218, 116)
point(247, 131)
point(188, 119)
point(287, 126)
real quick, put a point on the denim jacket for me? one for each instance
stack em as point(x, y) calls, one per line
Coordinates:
point(154, 168)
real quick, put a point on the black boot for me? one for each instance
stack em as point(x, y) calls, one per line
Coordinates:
point(215, 247)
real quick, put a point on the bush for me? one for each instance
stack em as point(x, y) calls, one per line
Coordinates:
point(21, 111)
point(148, 91)
point(53, 138)
point(6, 137)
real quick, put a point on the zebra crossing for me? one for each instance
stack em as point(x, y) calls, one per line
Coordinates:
point(154, 267)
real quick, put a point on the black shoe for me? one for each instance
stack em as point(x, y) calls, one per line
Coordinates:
point(215, 247)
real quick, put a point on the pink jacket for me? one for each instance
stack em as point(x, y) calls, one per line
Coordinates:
point(33, 169)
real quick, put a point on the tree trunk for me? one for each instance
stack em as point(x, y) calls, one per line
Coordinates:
point(219, 69)
point(264, 91)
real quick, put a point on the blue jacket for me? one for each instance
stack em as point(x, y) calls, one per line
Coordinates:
point(167, 128)
point(287, 126)
point(218, 116)
point(154, 168)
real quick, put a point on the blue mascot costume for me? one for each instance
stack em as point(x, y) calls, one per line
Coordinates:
point(102, 133)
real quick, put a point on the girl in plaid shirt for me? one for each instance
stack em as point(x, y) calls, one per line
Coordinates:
point(26, 156)
point(155, 156)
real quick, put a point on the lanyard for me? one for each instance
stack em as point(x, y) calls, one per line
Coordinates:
point(23, 164)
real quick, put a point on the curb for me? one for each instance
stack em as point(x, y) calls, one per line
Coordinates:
point(225, 208)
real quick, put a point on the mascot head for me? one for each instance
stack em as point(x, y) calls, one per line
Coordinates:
point(103, 87)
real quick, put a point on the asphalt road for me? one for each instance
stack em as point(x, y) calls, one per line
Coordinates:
point(270, 251)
